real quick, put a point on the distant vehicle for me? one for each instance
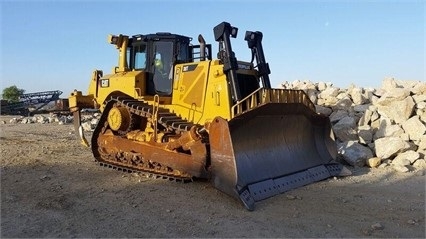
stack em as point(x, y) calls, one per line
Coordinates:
point(29, 103)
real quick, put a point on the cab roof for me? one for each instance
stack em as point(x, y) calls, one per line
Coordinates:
point(160, 36)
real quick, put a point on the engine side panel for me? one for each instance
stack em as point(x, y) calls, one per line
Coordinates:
point(131, 83)
point(200, 92)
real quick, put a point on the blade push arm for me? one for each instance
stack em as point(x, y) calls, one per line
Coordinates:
point(254, 41)
point(222, 34)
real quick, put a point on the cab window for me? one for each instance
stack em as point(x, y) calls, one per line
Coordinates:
point(138, 61)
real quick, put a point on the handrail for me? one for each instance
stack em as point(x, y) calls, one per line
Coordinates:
point(263, 96)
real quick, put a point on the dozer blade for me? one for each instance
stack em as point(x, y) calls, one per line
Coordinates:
point(79, 129)
point(271, 149)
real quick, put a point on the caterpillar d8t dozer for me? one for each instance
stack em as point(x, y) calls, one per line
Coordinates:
point(170, 110)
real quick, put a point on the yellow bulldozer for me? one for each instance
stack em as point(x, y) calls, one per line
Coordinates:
point(171, 111)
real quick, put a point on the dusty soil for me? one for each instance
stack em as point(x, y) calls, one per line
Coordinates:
point(51, 187)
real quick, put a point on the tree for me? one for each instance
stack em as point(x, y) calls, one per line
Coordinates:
point(12, 93)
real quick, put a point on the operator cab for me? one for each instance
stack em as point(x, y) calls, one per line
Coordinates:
point(156, 55)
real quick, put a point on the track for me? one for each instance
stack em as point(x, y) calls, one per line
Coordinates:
point(128, 160)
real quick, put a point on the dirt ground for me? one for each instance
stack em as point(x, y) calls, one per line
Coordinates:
point(51, 187)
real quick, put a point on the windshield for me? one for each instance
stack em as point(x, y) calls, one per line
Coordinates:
point(163, 67)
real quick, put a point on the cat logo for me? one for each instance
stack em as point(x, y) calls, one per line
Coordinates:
point(105, 83)
point(189, 67)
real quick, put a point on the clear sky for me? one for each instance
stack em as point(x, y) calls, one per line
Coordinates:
point(55, 45)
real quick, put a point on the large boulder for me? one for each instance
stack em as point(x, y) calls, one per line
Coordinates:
point(387, 129)
point(388, 147)
point(414, 128)
point(345, 129)
point(406, 158)
point(354, 153)
point(396, 110)
point(357, 96)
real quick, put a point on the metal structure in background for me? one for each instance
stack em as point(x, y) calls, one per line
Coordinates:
point(36, 101)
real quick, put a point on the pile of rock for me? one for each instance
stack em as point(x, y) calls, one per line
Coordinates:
point(375, 127)
point(41, 119)
point(89, 121)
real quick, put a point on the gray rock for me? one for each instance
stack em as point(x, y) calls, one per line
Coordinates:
point(94, 121)
point(342, 95)
point(345, 129)
point(327, 101)
point(312, 93)
point(389, 84)
point(374, 115)
point(422, 114)
point(421, 105)
point(387, 129)
point(379, 92)
point(414, 128)
point(401, 169)
point(338, 115)
point(407, 84)
point(419, 88)
point(87, 126)
point(85, 118)
point(401, 162)
point(41, 119)
point(388, 147)
point(372, 146)
point(65, 119)
point(422, 143)
point(419, 98)
point(369, 94)
point(365, 118)
point(365, 134)
point(3, 122)
point(323, 110)
point(354, 153)
point(385, 163)
point(406, 158)
point(373, 99)
point(357, 97)
point(343, 104)
point(394, 94)
point(26, 121)
point(361, 108)
point(330, 92)
point(370, 115)
point(420, 164)
point(321, 86)
point(413, 146)
point(398, 111)
point(375, 125)
point(50, 119)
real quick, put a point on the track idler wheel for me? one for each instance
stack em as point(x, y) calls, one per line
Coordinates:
point(119, 118)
